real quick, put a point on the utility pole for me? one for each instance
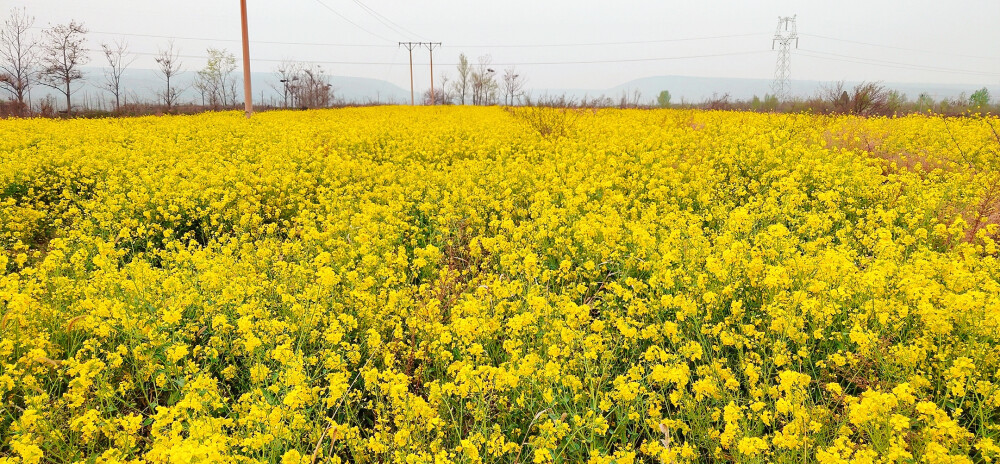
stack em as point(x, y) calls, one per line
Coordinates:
point(430, 47)
point(783, 37)
point(409, 47)
point(247, 91)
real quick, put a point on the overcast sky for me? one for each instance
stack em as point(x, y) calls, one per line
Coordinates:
point(926, 41)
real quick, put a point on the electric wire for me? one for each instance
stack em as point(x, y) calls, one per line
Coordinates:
point(594, 44)
point(345, 18)
point(335, 44)
point(959, 55)
point(386, 21)
point(266, 42)
point(888, 64)
point(526, 63)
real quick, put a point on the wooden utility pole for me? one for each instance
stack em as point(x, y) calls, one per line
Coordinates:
point(430, 47)
point(247, 91)
point(409, 47)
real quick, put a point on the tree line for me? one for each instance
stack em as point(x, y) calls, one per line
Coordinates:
point(479, 84)
point(55, 59)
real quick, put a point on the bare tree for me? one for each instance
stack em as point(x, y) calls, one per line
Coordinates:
point(304, 86)
point(170, 66)
point(446, 96)
point(513, 86)
point(63, 54)
point(870, 98)
point(866, 99)
point(18, 55)
point(203, 89)
point(461, 84)
point(118, 60)
point(312, 89)
point(836, 96)
point(483, 82)
point(216, 80)
point(442, 95)
point(288, 73)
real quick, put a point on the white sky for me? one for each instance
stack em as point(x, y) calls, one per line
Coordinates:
point(938, 41)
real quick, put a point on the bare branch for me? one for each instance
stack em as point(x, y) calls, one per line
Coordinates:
point(169, 67)
point(118, 60)
point(18, 54)
point(63, 53)
point(513, 86)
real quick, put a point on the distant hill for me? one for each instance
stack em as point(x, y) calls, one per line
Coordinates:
point(144, 83)
point(691, 89)
point(696, 89)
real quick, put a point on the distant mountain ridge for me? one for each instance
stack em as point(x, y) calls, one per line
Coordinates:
point(696, 89)
point(145, 83)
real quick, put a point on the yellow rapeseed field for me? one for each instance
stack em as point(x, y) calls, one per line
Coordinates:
point(465, 285)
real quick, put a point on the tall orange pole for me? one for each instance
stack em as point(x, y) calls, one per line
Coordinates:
point(430, 47)
point(409, 47)
point(433, 101)
point(411, 78)
point(247, 91)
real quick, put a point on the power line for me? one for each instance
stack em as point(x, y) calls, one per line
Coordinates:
point(629, 60)
point(328, 44)
point(386, 21)
point(267, 42)
point(527, 63)
point(594, 44)
point(345, 18)
point(802, 52)
point(902, 48)
point(890, 64)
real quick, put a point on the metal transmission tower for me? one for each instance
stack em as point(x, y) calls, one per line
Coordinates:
point(783, 37)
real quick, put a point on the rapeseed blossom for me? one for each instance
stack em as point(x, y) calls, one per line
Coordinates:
point(460, 285)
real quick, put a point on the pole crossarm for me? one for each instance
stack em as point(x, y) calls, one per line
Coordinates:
point(430, 47)
point(410, 46)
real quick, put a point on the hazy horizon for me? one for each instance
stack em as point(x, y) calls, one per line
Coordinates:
point(562, 44)
point(145, 83)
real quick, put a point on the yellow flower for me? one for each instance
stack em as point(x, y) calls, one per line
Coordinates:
point(292, 457)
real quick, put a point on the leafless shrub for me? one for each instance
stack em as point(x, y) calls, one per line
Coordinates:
point(870, 99)
point(47, 107)
point(718, 102)
point(630, 100)
point(865, 99)
point(13, 109)
point(551, 117)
